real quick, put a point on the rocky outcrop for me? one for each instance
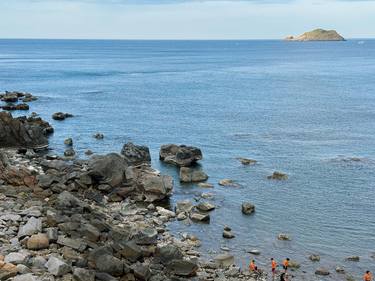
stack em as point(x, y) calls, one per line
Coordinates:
point(317, 35)
point(247, 208)
point(22, 132)
point(278, 176)
point(180, 155)
point(136, 154)
point(59, 116)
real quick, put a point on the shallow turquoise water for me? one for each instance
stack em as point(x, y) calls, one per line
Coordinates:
point(301, 108)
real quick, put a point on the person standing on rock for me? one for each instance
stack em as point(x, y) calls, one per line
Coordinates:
point(367, 276)
point(273, 267)
point(286, 264)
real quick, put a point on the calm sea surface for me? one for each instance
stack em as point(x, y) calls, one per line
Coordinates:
point(301, 108)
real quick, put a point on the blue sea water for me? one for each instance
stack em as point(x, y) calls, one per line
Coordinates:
point(301, 108)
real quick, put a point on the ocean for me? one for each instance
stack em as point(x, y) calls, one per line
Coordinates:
point(303, 108)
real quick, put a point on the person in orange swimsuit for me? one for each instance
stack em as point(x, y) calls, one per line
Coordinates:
point(273, 266)
point(286, 264)
point(367, 276)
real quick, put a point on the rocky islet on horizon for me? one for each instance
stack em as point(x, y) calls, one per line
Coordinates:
point(317, 35)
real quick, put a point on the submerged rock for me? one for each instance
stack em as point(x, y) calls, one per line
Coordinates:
point(283, 237)
point(322, 271)
point(353, 258)
point(68, 142)
point(98, 136)
point(278, 176)
point(180, 155)
point(314, 258)
point(227, 182)
point(247, 161)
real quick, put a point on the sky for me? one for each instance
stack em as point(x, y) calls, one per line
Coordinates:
point(183, 19)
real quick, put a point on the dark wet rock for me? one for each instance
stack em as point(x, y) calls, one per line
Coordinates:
point(247, 208)
point(314, 258)
point(183, 268)
point(180, 155)
point(9, 97)
point(98, 136)
point(107, 169)
point(322, 271)
point(136, 154)
point(192, 175)
point(278, 176)
point(12, 107)
point(353, 258)
point(59, 116)
point(89, 152)
point(340, 269)
point(68, 142)
point(21, 132)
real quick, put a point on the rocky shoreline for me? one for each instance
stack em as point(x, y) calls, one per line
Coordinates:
point(103, 218)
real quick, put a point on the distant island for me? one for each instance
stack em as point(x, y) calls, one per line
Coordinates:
point(317, 35)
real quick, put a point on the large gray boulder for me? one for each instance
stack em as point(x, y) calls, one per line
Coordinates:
point(22, 132)
point(192, 175)
point(57, 267)
point(108, 169)
point(180, 155)
point(136, 154)
point(149, 183)
point(183, 268)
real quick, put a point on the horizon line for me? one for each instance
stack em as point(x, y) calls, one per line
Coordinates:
point(175, 39)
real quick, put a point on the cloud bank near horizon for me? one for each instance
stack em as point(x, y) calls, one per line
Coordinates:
point(183, 19)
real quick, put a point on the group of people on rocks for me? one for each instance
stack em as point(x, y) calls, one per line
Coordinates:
point(284, 276)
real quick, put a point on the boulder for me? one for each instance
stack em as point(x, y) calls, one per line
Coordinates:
point(38, 242)
point(57, 267)
point(278, 176)
point(224, 260)
point(254, 252)
point(322, 271)
point(32, 226)
point(180, 155)
point(205, 206)
point(169, 253)
point(136, 154)
point(183, 268)
point(340, 269)
point(200, 217)
point(192, 175)
point(17, 257)
point(131, 251)
point(248, 208)
point(109, 264)
point(21, 132)
point(82, 274)
point(107, 169)
point(184, 206)
point(228, 234)
point(141, 272)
